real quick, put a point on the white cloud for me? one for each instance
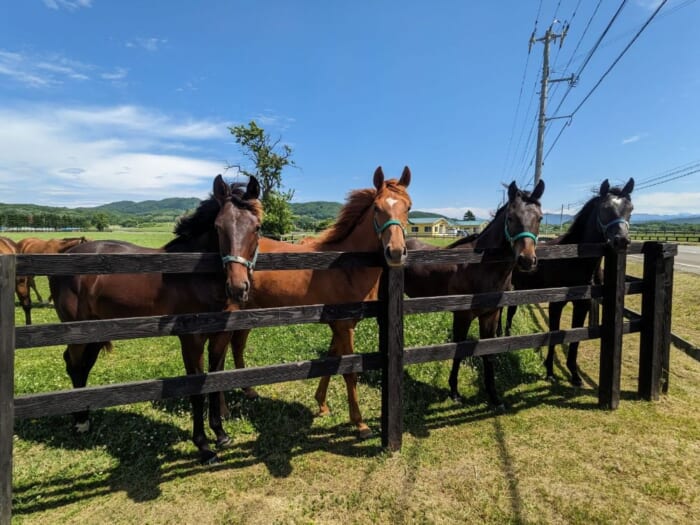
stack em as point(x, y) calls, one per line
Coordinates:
point(666, 203)
point(630, 140)
point(89, 156)
point(69, 5)
point(151, 44)
point(46, 70)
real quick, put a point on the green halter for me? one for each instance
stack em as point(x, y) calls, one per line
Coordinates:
point(520, 235)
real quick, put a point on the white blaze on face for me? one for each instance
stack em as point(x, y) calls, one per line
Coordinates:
point(391, 201)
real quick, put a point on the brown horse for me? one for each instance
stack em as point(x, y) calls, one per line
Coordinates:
point(25, 283)
point(227, 223)
point(372, 220)
point(604, 218)
point(514, 230)
point(7, 246)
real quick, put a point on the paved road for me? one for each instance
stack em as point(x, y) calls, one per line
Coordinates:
point(687, 260)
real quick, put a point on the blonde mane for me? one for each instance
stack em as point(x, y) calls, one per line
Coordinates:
point(357, 203)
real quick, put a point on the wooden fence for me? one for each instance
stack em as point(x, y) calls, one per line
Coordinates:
point(392, 357)
point(667, 236)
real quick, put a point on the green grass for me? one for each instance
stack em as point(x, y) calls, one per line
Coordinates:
point(553, 457)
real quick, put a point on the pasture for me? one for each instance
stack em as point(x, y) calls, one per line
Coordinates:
point(552, 457)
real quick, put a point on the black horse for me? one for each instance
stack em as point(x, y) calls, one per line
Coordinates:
point(604, 218)
point(513, 230)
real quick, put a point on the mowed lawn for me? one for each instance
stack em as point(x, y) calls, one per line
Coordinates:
point(552, 457)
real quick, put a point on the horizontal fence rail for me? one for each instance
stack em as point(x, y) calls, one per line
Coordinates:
point(388, 310)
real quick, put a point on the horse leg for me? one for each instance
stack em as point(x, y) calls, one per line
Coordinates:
point(509, 317)
point(192, 347)
point(578, 318)
point(460, 327)
point(79, 361)
point(239, 339)
point(218, 344)
point(487, 330)
point(32, 284)
point(24, 296)
point(555, 310)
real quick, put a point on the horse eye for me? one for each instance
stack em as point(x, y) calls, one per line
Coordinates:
point(376, 209)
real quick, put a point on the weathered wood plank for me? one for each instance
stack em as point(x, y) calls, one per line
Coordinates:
point(135, 327)
point(611, 329)
point(392, 345)
point(426, 354)
point(7, 377)
point(68, 401)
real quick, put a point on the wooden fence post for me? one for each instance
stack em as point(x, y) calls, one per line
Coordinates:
point(611, 331)
point(391, 346)
point(655, 337)
point(7, 378)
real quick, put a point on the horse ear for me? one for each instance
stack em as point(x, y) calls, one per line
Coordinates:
point(538, 191)
point(252, 191)
point(512, 191)
point(221, 190)
point(604, 188)
point(378, 178)
point(628, 187)
point(405, 179)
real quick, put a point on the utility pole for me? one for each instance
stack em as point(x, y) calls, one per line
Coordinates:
point(549, 36)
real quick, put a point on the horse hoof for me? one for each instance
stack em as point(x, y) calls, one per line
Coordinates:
point(323, 412)
point(499, 408)
point(224, 442)
point(250, 394)
point(364, 433)
point(210, 458)
point(457, 398)
point(82, 428)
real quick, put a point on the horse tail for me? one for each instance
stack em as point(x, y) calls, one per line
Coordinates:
point(108, 346)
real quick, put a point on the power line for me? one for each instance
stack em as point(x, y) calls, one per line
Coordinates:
point(663, 2)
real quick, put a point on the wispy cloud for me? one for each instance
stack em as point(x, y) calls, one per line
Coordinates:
point(667, 203)
point(630, 140)
point(270, 119)
point(93, 155)
point(68, 5)
point(149, 44)
point(46, 70)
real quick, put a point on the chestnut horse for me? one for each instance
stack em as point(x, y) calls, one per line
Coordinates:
point(604, 218)
point(227, 223)
point(25, 283)
point(514, 231)
point(372, 220)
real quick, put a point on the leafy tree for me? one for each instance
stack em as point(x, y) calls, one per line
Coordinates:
point(269, 158)
point(100, 221)
point(469, 216)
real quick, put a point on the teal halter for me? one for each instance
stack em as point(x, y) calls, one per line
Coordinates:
point(225, 259)
point(520, 235)
point(604, 227)
point(390, 222)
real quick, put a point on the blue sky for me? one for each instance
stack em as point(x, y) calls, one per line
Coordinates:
point(104, 101)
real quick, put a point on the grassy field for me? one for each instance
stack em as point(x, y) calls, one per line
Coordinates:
point(553, 457)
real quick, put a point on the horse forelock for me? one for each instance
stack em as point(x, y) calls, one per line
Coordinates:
point(202, 219)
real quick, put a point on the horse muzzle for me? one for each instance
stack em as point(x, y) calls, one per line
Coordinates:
point(395, 257)
point(526, 262)
point(238, 294)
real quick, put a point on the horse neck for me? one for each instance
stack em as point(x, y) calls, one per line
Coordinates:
point(493, 235)
point(585, 228)
point(362, 237)
point(207, 242)
point(66, 245)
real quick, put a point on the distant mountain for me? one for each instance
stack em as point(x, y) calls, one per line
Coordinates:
point(318, 210)
point(177, 205)
point(424, 215)
point(556, 219)
point(676, 219)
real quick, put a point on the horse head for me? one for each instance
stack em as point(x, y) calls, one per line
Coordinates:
point(391, 206)
point(614, 210)
point(522, 224)
point(238, 229)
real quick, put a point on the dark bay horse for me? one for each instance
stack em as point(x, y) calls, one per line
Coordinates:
point(514, 230)
point(227, 223)
point(604, 218)
point(25, 283)
point(372, 220)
